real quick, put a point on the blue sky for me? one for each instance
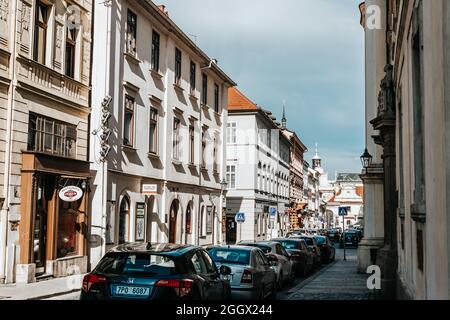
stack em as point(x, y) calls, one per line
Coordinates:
point(309, 53)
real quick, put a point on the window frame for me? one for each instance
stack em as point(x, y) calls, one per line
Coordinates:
point(176, 139)
point(231, 132)
point(132, 111)
point(37, 27)
point(131, 30)
point(216, 98)
point(231, 176)
point(191, 144)
point(192, 76)
point(154, 122)
point(155, 52)
point(72, 43)
point(204, 89)
point(178, 65)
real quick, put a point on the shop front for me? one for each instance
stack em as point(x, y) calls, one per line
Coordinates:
point(54, 217)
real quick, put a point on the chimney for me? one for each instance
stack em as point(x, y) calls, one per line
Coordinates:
point(163, 9)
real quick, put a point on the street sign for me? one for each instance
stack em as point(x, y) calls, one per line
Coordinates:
point(272, 213)
point(343, 211)
point(240, 217)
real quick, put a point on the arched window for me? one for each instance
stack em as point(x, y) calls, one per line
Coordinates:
point(124, 220)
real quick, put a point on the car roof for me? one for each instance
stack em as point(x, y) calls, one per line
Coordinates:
point(238, 247)
point(169, 249)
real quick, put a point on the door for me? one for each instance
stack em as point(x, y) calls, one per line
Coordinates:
point(231, 230)
point(286, 262)
point(217, 284)
point(39, 241)
point(209, 284)
point(173, 222)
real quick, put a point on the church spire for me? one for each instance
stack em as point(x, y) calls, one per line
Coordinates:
point(283, 119)
point(316, 159)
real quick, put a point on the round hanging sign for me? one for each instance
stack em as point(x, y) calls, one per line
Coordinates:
point(70, 193)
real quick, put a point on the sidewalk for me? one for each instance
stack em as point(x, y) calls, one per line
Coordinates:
point(337, 281)
point(41, 290)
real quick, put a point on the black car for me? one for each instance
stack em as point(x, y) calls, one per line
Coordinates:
point(351, 239)
point(147, 271)
point(327, 251)
point(301, 257)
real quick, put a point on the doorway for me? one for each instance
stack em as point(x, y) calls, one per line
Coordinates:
point(124, 220)
point(231, 230)
point(173, 221)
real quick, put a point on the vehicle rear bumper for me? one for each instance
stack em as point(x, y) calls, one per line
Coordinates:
point(244, 293)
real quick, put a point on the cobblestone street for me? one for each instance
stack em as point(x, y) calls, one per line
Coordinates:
point(337, 281)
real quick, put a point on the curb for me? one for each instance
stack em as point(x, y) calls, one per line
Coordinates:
point(52, 295)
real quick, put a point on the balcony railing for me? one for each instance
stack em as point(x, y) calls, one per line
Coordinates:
point(39, 76)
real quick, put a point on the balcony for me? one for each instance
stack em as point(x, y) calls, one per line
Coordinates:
point(48, 82)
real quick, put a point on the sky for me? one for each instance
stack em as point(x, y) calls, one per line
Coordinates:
point(307, 53)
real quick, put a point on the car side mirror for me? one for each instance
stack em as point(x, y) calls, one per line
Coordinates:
point(224, 270)
point(273, 260)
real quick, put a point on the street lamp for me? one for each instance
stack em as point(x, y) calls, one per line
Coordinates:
point(223, 184)
point(223, 187)
point(366, 159)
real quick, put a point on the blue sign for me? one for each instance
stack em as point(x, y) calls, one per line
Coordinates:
point(273, 211)
point(342, 211)
point(240, 217)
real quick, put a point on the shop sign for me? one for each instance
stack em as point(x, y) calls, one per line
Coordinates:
point(150, 189)
point(70, 194)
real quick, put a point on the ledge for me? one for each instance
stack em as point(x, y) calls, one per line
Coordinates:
point(192, 166)
point(177, 162)
point(204, 106)
point(153, 155)
point(156, 74)
point(131, 58)
point(177, 87)
point(192, 96)
point(128, 148)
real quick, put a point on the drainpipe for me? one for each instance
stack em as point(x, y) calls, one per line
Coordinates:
point(4, 213)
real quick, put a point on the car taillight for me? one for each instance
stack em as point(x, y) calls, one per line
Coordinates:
point(90, 279)
point(247, 277)
point(182, 287)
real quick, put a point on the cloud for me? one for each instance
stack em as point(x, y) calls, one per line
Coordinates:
point(309, 53)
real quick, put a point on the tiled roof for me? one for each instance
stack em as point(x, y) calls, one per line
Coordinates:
point(360, 191)
point(238, 101)
point(348, 177)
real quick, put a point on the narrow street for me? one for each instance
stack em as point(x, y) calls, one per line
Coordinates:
point(335, 281)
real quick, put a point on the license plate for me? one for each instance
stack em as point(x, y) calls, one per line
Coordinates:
point(349, 243)
point(130, 291)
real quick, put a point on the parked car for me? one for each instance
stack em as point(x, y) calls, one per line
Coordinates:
point(301, 256)
point(333, 235)
point(351, 239)
point(251, 277)
point(281, 258)
point(296, 232)
point(327, 251)
point(146, 271)
point(312, 245)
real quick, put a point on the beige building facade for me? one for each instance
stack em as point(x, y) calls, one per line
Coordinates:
point(45, 51)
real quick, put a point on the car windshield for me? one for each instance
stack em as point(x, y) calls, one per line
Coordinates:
point(320, 240)
point(223, 255)
point(289, 244)
point(308, 241)
point(136, 264)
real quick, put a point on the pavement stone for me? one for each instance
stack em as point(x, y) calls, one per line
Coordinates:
point(337, 281)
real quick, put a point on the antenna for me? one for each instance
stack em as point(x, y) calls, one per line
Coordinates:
point(195, 37)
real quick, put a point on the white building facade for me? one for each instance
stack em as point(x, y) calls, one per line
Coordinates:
point(257, 172)
point(160, 181)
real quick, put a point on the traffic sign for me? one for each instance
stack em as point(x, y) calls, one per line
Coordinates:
point(272, 213)
point(343, 211)
point(240, 217)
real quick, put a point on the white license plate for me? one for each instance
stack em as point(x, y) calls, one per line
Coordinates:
point(130, 291)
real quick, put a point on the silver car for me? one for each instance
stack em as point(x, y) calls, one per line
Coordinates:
point(252, 277)
point(274, 251)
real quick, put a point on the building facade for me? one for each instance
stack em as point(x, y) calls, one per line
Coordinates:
point(257, 172)
point(45, 50)
point(162, 126)
point(412, 121)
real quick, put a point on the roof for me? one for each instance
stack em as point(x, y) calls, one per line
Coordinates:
point(238, 101)
point(360, 191)
point(348, 177)
point(157, 248)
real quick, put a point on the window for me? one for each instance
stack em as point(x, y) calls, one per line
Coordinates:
point(209, 215)
point(51, 136)
point(153, 147)
point(216, 97)
point(40, 33)
point(192, 76)
point(269, 139)
point(131, 32)
point(191, 145)
point(176, 138)
point(199, 263)
point(215, 147)
point(177, 66)
point(419, 245)
point(204, 89)
point(71, 39)
point(231, 132)
point(155, 51)
point(231, 177)
point(204, 148)
point(128, 122)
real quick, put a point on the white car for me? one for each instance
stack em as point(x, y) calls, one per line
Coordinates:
point(279, 257)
